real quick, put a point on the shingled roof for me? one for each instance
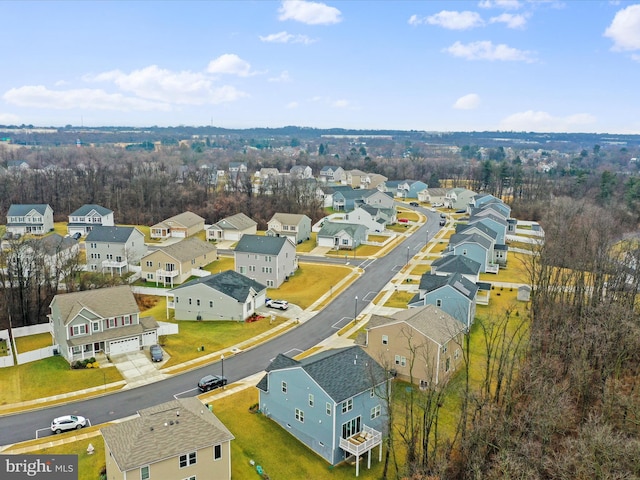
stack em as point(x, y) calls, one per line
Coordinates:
point(105, 302)
point(88, 208)
point(230, 283)
point(263, 245)
point(110, 234)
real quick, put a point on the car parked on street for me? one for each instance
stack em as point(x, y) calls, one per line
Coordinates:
point(414, 204)
point(156, 353)
point(280, 304)
point(209, 382)
point(68, 422)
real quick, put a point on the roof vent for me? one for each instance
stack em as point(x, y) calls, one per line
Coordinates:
point(166, 424)
point(151, 428)
point(178, 413)
point(171, 422)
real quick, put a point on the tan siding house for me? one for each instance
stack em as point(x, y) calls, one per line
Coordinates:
point(180, 439)
point(183, 225)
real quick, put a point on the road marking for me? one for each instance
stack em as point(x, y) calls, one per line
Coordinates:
point(342, 322)
point(177, 395)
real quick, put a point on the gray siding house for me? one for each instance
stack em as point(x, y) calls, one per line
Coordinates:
point(341, 236)
point(294, 226)
point(268, 260)
point(113, 249)
point(225, 296)
point(35, 219)
point(84, 219)
point(330, 401)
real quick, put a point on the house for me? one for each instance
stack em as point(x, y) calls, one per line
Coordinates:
point(173, 264)
point(450, 264)
point(454, 294)
point(331, 174)
point(268, 260)
point(341, 236)
point(49, 257)
point(114, 249)
point(357, 179)
point(102, 320)
point(458, 198)
point(345, 199)
point(181, 438)
point(484, 200)
point(331, 401)
point(35, 219)
point(267, 172)
point(17, 165)
point(57, 252)
point(433, 195)
point(88, 216)
point(301, 172)
point(227, 295)
point(405, 188)
point(373, 218)
point(475, 246)
point(421, 345)
point(237, 167)
point(376, 198)
point(183, 225)
point(232, 228)
point(294, 226)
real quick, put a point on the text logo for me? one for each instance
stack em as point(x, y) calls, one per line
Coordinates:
point(39, 467)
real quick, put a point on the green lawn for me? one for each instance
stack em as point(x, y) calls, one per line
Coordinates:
point(307, 245)
point(33, 342)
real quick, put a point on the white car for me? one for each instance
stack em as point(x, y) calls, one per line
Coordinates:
point(68, 422)
point(281, 304)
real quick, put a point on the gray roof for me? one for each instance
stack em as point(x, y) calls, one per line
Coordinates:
point(342, 373)
point(19, 210)
point(55, 243)
point(187, 249)
point(230, 283)
point(429, 320)
point(330, 229)
point(111, 234)
point(481, 226)
point(105, 302)
point(263, 245)
point(164, 431)
point(457, 263)
point(86, 210)
point(430, 282)
point(459, 238)
point(239, 221)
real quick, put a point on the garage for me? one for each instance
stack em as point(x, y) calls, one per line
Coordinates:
point(123, 346)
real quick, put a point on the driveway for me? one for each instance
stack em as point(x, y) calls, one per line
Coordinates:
point(137, 368)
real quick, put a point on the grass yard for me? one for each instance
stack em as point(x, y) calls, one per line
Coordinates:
point(307, 245)
point(60, 228)
point(399, 299)
point(34, 379)
point(420, 269)
point(89, 466)
point(516, 271)
point(33, 342)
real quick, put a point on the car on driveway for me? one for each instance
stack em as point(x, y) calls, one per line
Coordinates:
point(209, 382)
point(156, 353)
point(68, 422)
point(280, 304)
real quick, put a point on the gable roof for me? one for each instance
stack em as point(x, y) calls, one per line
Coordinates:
point(457, 263)
point(187, 249)
point(459, 238)
point(19, 210)
point(342, 373)
point(330, 229)
point(239, 221)
point(111, 234)
point(186, 219)
point(106, 302)
point(264, 245)
point(289, 218)
point(164, 431)
point(430, 282)
point(87, 209)
point(229, 282)
point(466, 227)
point(54, 243)
point(429, 320)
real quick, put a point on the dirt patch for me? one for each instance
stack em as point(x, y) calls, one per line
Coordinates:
point(146, 302)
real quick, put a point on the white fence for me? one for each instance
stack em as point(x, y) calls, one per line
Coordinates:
point(34, 355)
point(31, 330)
point(167, 328)
point(6, 361)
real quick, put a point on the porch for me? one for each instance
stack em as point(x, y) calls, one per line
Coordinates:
point(361, 443)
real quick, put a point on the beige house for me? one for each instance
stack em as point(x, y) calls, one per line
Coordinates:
point(232, 228)
point(421, 345)
point(174, 264)
point(180, 439)
point(183, 225)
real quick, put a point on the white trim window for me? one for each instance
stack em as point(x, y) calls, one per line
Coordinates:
point(299, 415)
point(188, 459)
point(144, 473)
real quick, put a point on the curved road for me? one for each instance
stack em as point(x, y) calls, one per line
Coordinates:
point(377, 273)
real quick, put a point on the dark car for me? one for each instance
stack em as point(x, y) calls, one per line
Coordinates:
point(414, 204)
point(156, 353)
point(209, 382)
point(443, 215)
point(77, 235)
point(443, 223)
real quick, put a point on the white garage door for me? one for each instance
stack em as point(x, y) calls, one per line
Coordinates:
point(123, 346)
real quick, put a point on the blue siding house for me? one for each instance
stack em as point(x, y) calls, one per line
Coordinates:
point(331, 401)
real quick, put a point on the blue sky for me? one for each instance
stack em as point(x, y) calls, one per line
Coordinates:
point(571, 66)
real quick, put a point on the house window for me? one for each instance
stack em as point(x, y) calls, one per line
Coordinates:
point(299, 415)
point(193, 262)
point(79, 330)
point(126, 320)
point(400, 360)
point(75, 350)
point(347, 406)
point(328, 408)
point(375, 412)
point(444, 349)
point(242, 270)
point(198, 302)
point(149, 263)
point(217, 452)
point(372, 393)
point(252, 268)
point(447, 364)
point(345, 241)
point(456, 354)
point(351, 427)
point(311, 400)
point(187, 459)
point(438, 302)
point(270, 283)
point(192, 477)
point(267, 258)
point(144, 473)
point(385, 339)
point(189, 301)
point(210, 303)
point(149, 276)
point(284, 387)
point(96, 326)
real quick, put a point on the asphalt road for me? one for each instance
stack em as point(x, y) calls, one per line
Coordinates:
point(377, 273)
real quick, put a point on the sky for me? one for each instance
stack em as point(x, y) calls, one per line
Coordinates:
point(508, 65)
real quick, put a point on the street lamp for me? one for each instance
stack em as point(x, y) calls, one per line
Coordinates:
point(355, 313)
point(407, 255)
point(222, 364)
point(427, 240)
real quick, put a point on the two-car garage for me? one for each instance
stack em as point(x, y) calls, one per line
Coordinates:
point(124, 345)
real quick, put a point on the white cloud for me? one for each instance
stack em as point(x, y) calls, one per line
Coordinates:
point(625, 29)
point(230, 64)
point(292, 105)
point(545, 122)
point(311, 13)
point(453, 20)
point(467, 102)
point(38, 96)
point(283, 77)
point(486, 50)
point(504, 4)
point(340, 103)
point(284, 37)
point(510, 20)
point(9, 118)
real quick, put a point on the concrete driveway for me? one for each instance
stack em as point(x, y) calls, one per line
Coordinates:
point(137, 368)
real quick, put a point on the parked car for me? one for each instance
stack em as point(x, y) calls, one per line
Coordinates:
point(68, 422)
point(443, 222)
point(443, 215)
point(156, 353)
point(209, 382)
point(403, 220)
point(281, 304)
point(77, 235)
point(414, 204)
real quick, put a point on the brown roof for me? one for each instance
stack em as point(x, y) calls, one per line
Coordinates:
point(164, 431)
point(105, 302)
point(186, 249)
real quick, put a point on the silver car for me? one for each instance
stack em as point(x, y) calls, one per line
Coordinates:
point(68, 422)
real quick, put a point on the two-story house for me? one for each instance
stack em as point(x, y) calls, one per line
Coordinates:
point(84, 219)
point(331, 401)
point(421, 345)
point(183, 225)
point(114, 249)
point(103, 320)
point(34, 219)
point(173, 264)
point(331, 174)
point(291, 225)
point(301, 172)
point(173, 440)
point(267, 260)
point(232, 228)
